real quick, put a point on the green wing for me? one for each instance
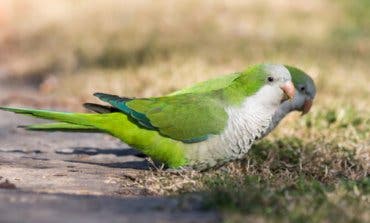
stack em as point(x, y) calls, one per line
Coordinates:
point(209, 85)
point(186, 117)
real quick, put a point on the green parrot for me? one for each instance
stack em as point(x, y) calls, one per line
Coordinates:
point(198, 129)
point(305, 92)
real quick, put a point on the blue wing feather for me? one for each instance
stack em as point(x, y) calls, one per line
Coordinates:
point(120, 103)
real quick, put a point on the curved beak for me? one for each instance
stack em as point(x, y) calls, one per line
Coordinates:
point(307, 106)
point(288, 89)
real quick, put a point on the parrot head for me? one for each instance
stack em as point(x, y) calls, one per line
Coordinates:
point(273, 80)
point(305, 90)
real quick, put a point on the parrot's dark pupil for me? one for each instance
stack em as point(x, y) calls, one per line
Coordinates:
point(302, 88)
point(270, 79)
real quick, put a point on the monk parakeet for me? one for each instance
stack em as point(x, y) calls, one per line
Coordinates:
point(199, 129)
point(304, 87)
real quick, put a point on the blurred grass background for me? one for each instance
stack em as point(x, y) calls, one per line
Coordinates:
point(142, 48)
point(57, 53)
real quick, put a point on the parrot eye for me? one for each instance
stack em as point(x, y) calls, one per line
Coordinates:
point(302, 88)
point(270, 79)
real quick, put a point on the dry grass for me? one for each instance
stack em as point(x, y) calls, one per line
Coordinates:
point(140, 48)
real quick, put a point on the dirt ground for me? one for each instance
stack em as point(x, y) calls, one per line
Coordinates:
point(83, 177)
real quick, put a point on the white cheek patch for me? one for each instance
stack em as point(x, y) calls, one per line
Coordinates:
point(269, 96)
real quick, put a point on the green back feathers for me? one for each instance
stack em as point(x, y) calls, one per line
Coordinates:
point(209, 85)
point(186, 117)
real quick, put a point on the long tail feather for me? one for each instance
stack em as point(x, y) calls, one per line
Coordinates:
point(60, 126)
point(101, 109)
point(72, 118)
point(116, 124)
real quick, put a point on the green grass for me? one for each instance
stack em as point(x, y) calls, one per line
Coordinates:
point(304, 200)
